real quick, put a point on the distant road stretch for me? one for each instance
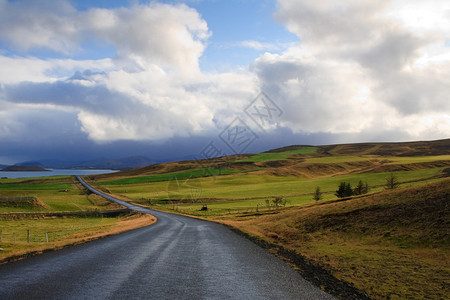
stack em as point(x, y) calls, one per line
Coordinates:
point(176, 258)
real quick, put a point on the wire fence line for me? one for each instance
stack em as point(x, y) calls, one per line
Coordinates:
point(33, 236)
point(41, 235)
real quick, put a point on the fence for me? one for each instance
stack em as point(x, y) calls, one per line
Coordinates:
point(30, 236)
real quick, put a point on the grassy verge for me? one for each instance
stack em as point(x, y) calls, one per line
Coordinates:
point(390, 245)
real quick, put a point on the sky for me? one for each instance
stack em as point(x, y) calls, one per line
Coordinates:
point(176, 79)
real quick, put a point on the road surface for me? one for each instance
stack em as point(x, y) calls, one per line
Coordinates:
point(176, 258)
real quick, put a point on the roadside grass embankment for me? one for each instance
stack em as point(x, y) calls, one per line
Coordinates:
point(394, 244)
point(38, 215)
point(61, 232)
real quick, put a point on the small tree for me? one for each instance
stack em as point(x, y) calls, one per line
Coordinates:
point(317, 194)
point(344, 190)
point(361, 188)
point(366, 188)
point(278, 201)
point(348, 190)
point(391, 182)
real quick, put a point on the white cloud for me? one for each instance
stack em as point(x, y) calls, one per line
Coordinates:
point(164, 34)
point(20, 69)
point(40, 24)
point(358, 69)
point(160, 33)
point(252, 44)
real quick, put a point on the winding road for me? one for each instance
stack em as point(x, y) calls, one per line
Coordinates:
point(175, 258)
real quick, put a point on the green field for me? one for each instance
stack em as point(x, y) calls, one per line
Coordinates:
point(37, 186)
point(170, 176)
point(22, 234)
point(292, 173)
point(247, 191)
point(55, 194)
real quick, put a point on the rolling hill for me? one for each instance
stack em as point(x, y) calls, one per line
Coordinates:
point(383, 244)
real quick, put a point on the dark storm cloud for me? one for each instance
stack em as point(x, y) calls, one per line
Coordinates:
point(96, 98)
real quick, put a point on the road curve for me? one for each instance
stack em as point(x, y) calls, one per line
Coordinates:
point(176, 258)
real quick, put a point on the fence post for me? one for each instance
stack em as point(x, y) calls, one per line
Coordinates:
point(28, 235)
point(46, 236)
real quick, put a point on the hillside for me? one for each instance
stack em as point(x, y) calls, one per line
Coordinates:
point(99, 164)
point(24, 169)
point(317, 161)
point(392, 244)
point(387, 244)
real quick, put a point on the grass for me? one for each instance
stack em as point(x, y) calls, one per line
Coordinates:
point(57, 194)
point(274, 156)
point(391, 159)
point(61, 232)
point(247, 190)
point(340, 159)
point(170, 176)
point(392, 245)
point(418, 159)
point(38, 186)
point(389, 244)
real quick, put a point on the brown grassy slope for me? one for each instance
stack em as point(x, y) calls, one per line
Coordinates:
point(422, 148)
point(172, 167)
point(391, 244)
point(297, 166)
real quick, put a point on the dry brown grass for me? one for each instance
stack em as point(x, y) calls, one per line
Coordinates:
point(20, 250)
point(391, 245)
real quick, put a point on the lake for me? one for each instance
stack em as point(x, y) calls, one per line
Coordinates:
point(54, 172)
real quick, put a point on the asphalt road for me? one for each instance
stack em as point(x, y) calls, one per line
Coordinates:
point(176, 258)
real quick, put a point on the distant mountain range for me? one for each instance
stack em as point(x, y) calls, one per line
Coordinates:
point(23, 169)
point(100, 163)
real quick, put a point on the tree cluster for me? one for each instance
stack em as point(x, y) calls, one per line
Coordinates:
point(345, 189)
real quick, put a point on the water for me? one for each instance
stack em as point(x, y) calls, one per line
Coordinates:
point(54, 172)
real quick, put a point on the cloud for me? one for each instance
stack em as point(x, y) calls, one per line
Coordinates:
point(256, 45)
point(146, 105)
point(362, 70)
point(169, 35)
point(39, 24)
point(160, 33)
point(355, 70)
